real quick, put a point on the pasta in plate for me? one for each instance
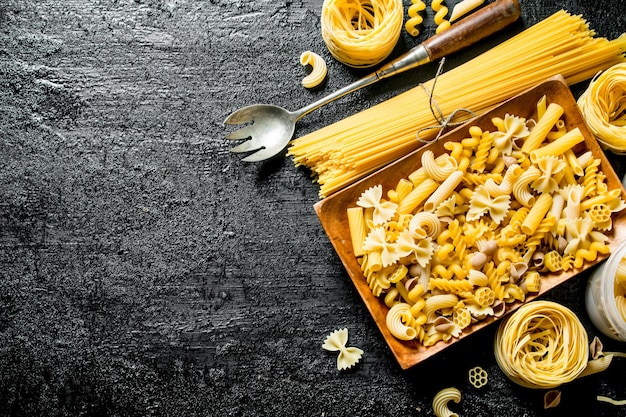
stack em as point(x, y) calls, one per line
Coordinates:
point(474, 249)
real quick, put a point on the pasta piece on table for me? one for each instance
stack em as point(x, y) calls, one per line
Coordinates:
point(318, 69)
point(348, 356)
point(441, 400)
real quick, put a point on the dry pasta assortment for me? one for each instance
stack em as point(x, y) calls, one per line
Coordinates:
point(472, 229)
point(355, 146)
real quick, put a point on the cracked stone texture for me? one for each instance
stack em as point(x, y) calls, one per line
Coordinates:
point(146, 271)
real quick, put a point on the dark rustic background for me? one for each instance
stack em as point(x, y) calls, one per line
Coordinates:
point(146, 271)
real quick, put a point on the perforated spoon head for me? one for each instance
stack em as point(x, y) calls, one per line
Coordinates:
point(268, 129)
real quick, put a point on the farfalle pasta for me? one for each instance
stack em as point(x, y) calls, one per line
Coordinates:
point(337, 342)
point(472, 230)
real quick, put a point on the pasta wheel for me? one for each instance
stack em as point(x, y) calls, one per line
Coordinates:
point(478, 377)
point(361, 33)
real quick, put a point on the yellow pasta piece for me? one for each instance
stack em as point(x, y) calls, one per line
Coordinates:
point(361, 33)
point(358, 232)
point(477, 377)
point(417, 196)
point(539, 133)
point(559, 146)
point(464, 7)
point(348, 356)
point(318, 69)
point(396, 320)
point(441, 11)
point(443, 191)
point(415, 19)
point(536, 214)
point(441, 400)
point(453, 286)
point(438, 168)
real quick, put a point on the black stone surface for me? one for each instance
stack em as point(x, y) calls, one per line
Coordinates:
point(146, 271)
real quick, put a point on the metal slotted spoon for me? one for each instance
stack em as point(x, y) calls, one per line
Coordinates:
point(272, 126)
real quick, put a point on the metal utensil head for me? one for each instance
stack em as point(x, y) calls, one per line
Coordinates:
point(268, 129)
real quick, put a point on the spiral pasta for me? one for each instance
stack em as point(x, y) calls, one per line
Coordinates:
point(441, 11)
point(541, 345)
point(604, 106)
point(415, 19)
point(361, 33)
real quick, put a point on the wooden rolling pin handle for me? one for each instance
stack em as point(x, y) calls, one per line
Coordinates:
point(473, 28)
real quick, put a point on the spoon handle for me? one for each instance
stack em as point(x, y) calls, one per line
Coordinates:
point(480, 24)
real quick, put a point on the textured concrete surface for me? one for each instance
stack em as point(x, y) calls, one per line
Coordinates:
point(146, 271)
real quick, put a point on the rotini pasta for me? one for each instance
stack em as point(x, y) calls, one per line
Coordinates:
point(415, 19)
point(441, 11)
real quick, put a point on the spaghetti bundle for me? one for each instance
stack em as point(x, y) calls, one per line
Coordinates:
point(361, 33)
point(351, 148)
point(604, 106)
point(542, 345)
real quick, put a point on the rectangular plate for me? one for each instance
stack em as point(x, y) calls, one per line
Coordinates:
point(332, 210)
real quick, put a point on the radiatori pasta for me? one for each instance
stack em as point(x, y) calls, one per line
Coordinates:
point(457, 240)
